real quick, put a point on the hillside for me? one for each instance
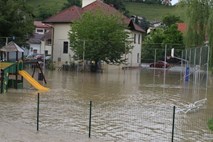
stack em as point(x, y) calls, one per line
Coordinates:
point(149, 11)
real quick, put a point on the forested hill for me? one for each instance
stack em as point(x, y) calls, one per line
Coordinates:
point(149, 11)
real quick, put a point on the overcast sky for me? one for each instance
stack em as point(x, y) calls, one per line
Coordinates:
point(174, 2)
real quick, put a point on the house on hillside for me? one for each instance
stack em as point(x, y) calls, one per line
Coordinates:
point(61, 24)
point(41, 40)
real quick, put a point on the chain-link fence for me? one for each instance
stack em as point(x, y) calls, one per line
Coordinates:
point(194, 62)
point(124, 124)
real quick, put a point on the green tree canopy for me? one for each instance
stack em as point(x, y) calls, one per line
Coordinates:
point(16, 19)
point(104, 36)
point(71, 3)
point(118, 4)
point(197, 19)
point(169, 20)
point(160, 37)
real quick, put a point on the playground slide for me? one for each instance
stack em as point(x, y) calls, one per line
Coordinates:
point(32, 81)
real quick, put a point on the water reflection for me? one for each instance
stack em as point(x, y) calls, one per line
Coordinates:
point(128, 105)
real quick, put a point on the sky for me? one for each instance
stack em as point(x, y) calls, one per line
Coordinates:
point(174, 2)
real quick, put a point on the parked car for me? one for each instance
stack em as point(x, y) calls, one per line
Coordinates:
point(159, 64)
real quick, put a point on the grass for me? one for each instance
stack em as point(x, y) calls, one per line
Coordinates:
point(53, 6)
point(150, 11)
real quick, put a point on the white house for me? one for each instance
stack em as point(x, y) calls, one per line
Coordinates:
point(61, 23)
point(41, 40)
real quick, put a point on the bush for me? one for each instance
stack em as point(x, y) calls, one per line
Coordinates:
point(210, 124)
point(50, 65)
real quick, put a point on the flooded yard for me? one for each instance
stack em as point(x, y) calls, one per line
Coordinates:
point(127, 105)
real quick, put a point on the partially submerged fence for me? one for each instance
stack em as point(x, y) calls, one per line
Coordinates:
point(121, 124)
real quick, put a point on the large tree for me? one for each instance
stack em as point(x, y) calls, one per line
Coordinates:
point(197, 19)
point(99, 37)
point(16, 20)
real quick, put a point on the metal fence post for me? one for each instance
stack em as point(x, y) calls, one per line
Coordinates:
point(2, 80)
point(90, 118)
point(173, 124)
point(38, 112)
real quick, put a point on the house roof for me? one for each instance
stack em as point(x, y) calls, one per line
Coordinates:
point(74, 13)
point(39, 24)
point(182, 27)
point(66, 16)
point(36, 38)
point(11, 47)
point(47, 35)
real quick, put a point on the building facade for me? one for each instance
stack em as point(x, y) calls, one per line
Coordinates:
point(61, 24)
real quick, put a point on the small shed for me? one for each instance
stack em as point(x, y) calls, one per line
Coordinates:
point(10, 48)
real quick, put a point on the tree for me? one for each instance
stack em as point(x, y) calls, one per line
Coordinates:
point(99, 37)
point(71, 3)
point(169, 20)
point(16, 20)
point(198, 15)
point(160, 37)
point(118, 4)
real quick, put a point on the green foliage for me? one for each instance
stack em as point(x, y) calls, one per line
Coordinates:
point(71, 3)
point(210, 124)
point(160, 2)
point(16, 19)
point(50, 65)
point(119, 5)
point(169, 20)
point(158, 39)
point(198, 14)
point(150, 11)
point(104, 36)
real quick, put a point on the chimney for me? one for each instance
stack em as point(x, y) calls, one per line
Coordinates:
point(86, 2)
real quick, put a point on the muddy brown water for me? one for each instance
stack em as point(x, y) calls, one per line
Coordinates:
point(127, 105)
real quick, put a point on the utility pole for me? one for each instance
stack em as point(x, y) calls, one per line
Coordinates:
point(6, 41)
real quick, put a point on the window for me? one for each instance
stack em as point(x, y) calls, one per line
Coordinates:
point(49, 42)
point(46, 52)
point(138, 59)
point(65, 47)
point(139, 39)
point(134, 38)
point(40, 31)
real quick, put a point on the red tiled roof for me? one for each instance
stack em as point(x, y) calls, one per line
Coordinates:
point(182, 27)
point(66, 16)
point(74, 13)
point(39, 24)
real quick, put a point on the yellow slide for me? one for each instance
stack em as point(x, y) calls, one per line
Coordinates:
point(32, 81)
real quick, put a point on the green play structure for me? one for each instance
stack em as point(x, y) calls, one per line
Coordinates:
point(9, 76)
point(12, 72)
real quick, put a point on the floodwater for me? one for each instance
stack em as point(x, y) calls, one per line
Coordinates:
point(127, 106)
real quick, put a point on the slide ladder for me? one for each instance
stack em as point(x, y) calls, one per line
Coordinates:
point(32, 81)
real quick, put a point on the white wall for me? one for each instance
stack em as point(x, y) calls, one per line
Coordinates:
point(134, 57)
point(35, 47)
point(60, 36)
point(86, 2)
point(45, 47)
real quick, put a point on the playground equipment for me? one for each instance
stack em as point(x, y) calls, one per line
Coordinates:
point(12, 73)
